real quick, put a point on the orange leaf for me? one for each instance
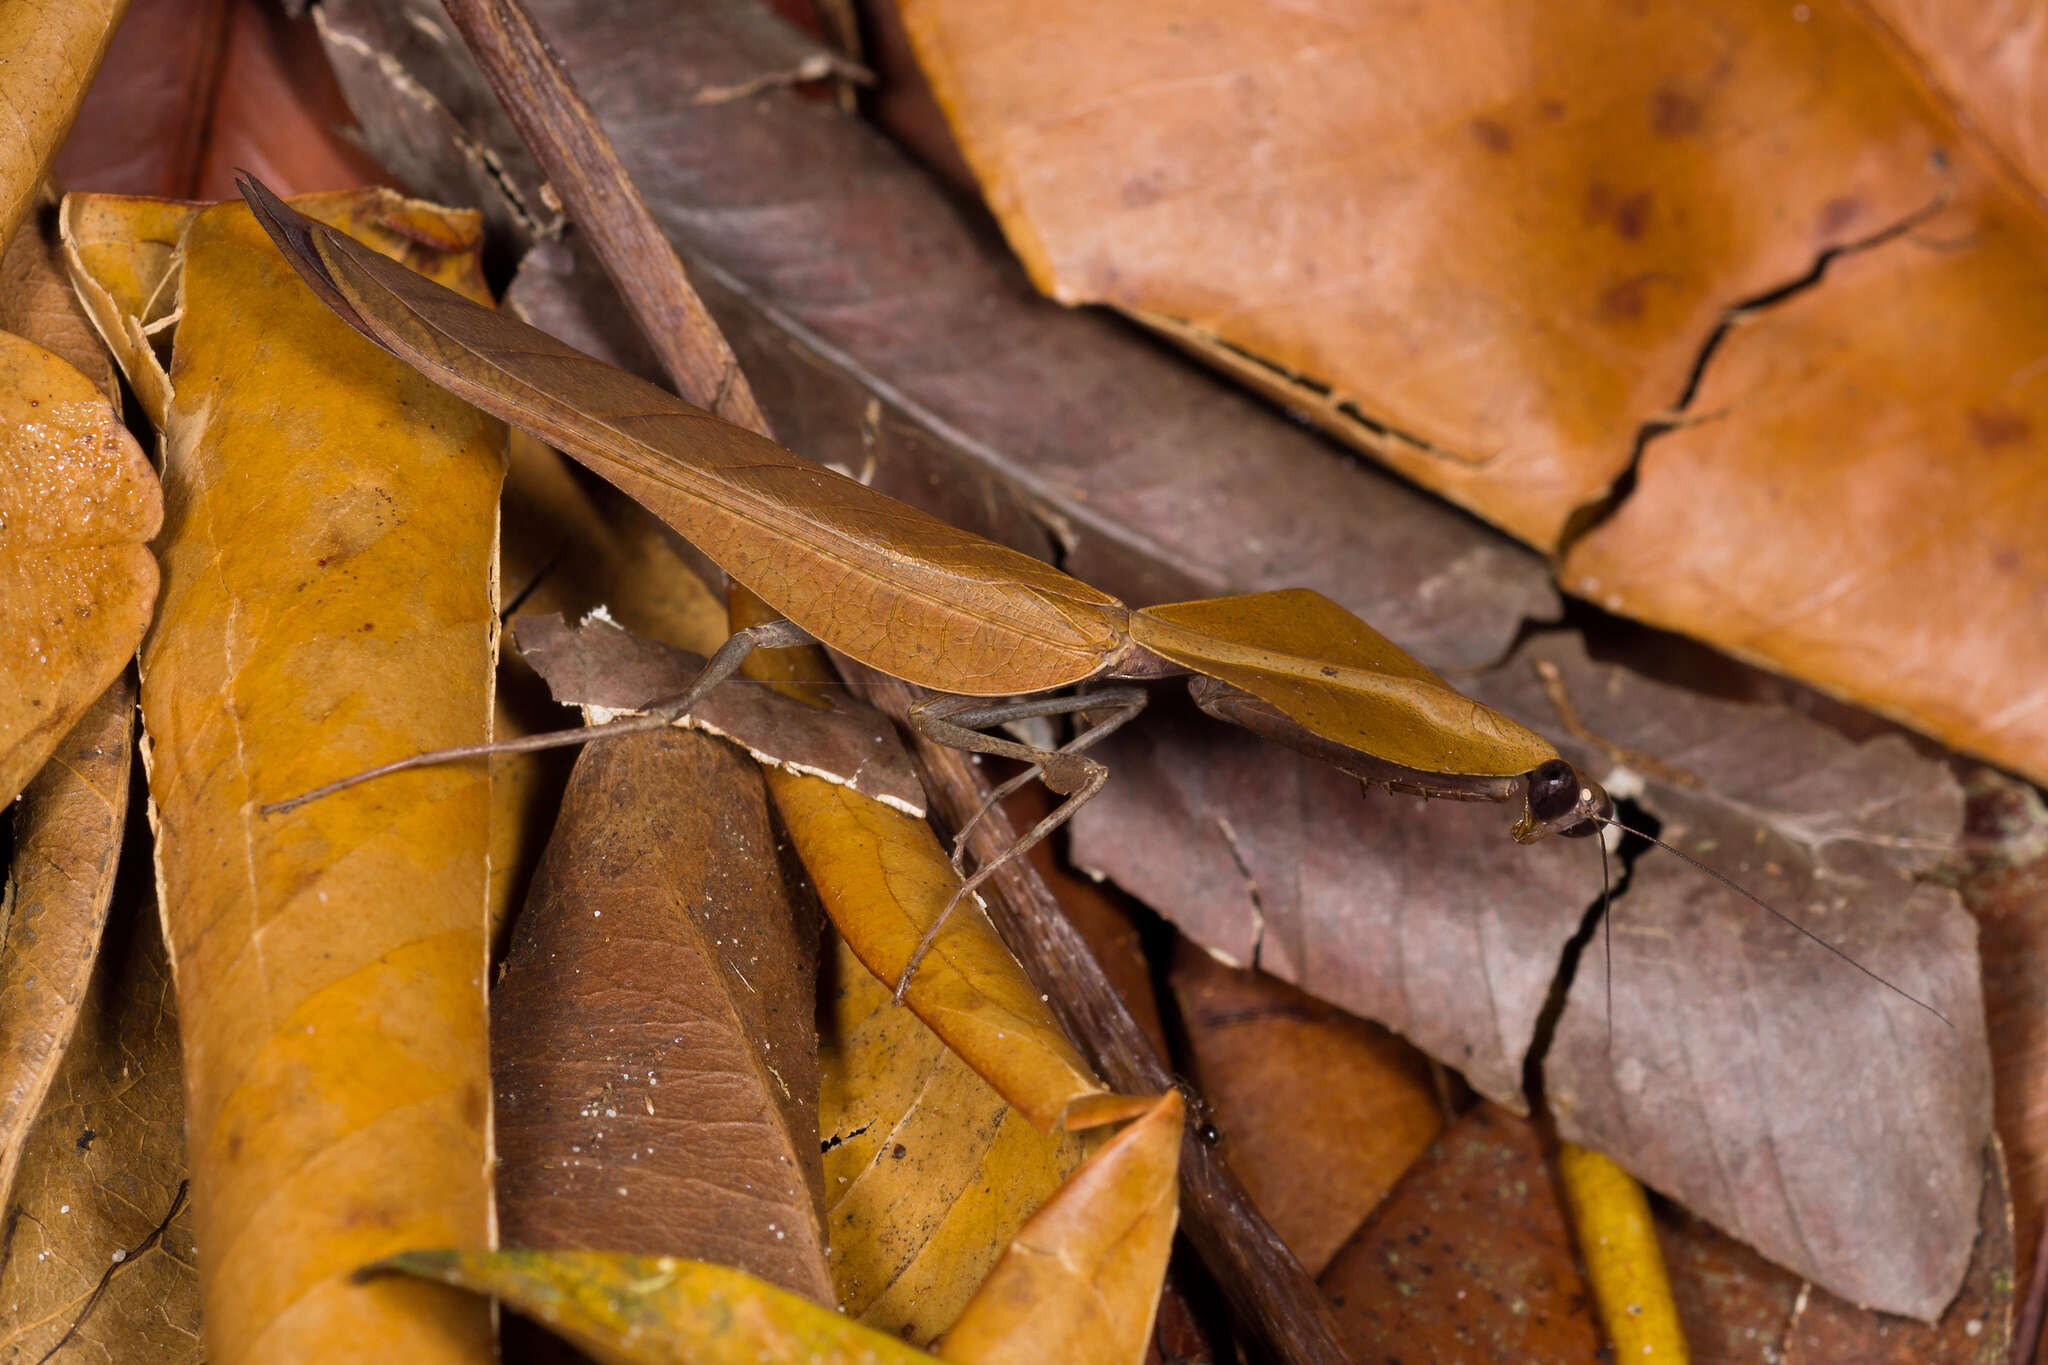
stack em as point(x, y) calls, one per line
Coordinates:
point(78, 501)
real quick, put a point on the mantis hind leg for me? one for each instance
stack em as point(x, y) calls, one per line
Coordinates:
point(961, 723)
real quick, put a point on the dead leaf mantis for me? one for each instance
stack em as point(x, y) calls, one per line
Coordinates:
point(994, 634)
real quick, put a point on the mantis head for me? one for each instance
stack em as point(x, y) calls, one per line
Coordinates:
point(1561, 800)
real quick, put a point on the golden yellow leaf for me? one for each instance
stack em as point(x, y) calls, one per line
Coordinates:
point(1618, 1243)
point(328, 605)
point(928, 1171)
point(1080, 1281)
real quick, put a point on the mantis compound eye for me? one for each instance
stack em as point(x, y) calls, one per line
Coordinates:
point(1562, 801)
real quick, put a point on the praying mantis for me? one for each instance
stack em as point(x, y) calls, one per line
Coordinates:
point(994, 635)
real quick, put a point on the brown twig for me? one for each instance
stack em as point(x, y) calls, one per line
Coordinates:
point(1265, 1284)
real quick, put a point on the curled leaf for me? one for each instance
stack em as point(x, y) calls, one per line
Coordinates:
point(67, 833)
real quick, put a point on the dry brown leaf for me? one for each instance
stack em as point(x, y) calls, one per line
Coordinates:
point(1703, 1080)
point(1469, 1259)
point(1738, 1308)
point(597, 665)
point(67, 842)
point(103, 1168)
point(327, 605)
point(655, 1051)
point(276, 105)
point(53, 48)
point(659, 1310)
point(78, 502)
point(1080, 1281)
point(37, 302)
point(928, 1171)
point(1320, 1112)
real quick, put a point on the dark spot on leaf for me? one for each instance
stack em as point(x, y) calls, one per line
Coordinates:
point(1995, 427)
point(1625, 301)
point(2006, 560)
point(85, 1140)
point(471, 1106)
point(1140, 191)
point(1552, 109)
point(1674, 114)
point(1329, 672)
point(1493, 136)
point(1632, 215)
point(899, 1151)
point(1628, 216)
point(1838, 213)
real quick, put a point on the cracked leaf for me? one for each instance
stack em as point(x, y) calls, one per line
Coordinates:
point(655, 1054)
point(53, 909)
point(1490, 270)
point(914, 357)
point(78, 504)
point(1432, 921)
point(1924, 509)
point(928, 1171)
point(327, 605)
point(102, 1168)
point(1425, 917)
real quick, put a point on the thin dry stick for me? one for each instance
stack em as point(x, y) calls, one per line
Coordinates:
point(1266, 1285)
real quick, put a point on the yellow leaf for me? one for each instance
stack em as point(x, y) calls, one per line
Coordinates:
point(327, 605)
point(1080, 1281)
point(659, 1310)
point(928, 1172)
point(53, 49)
point(1618, 1242)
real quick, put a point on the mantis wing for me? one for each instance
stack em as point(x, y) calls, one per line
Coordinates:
point(1338, 677)
point(874, 578)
